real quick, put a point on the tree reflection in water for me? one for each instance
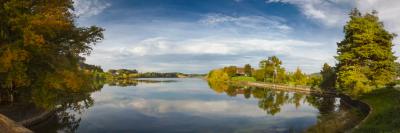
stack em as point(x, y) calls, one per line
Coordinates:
point(29, 103)
point(133, 82)
point(64, 103)
point(70, 106)
point(335, 115)
point(64, 120)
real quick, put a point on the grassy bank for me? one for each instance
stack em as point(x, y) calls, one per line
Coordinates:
point(385, 114)
point(243, 78)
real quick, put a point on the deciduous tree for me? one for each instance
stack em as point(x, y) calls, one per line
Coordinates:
point(248, 70)
point(40, 44)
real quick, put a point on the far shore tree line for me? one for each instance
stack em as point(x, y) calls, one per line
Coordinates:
point(271, 70)
point(133, 73)
point(365, 62)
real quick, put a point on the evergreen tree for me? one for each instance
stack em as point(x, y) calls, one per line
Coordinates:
point(365, 56)
point(397, 69)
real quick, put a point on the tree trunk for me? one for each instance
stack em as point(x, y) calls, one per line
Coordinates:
point(11, 92)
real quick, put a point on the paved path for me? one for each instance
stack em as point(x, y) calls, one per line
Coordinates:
point(301, 89)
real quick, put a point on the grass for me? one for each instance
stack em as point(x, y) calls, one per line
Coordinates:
point(243, 78)
point(385, 114)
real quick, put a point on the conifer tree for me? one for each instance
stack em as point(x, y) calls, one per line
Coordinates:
point(365, 56)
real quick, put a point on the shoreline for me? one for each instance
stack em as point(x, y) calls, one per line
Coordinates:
point(356, 103)
point(10, 126)
point(384, 114)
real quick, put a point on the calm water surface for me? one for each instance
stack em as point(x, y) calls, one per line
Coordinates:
point(190, 105)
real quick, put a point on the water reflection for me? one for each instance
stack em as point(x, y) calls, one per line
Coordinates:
point(269, 100)
point(167, 105)
point(28, 103)
point(134, 82)
point(67, 116)
point(335, 114)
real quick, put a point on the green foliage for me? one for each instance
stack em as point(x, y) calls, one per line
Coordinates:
point(365, 55)
point(328, 77)
point(158, 75)
point(354, 82)
point(231, 70)
point(259, 74)
point(218, 75)
point(243, 78)
point(272, 70)
point(248, 70)
point(40, 45)
point(315, 81)
point(397, 66)
point(299, 77)
point(121, 74)
point(115, 74)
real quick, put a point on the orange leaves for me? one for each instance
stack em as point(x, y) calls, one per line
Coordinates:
point(72, 80)
point(41, 44)
point(12, 67)
point(51, 20)
point(31, 38)
point(9, 57)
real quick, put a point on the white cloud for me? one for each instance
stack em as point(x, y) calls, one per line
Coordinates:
point(219, 108)
point(388, 12)
point(328, 12)
point(253, 22)
point(192, 53)
point(334, 13)
point(224, 46)
point(87, 8)
point(208, 42)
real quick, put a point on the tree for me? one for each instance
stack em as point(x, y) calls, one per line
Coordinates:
point(365, 56)
point(397, 69)
point(259, 74)
point(299, 77)
point(272, 67)
point(218, 75)
point(231, 70)
point(315, 80)
point(40, 45)
point(328, 77)
point(247, 70)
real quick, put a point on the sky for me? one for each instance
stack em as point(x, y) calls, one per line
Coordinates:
point(195, 36)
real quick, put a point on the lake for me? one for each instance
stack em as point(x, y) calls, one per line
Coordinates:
point(178, 105)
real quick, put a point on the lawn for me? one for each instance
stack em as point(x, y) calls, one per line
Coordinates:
point(385, 114)
point(243, 78)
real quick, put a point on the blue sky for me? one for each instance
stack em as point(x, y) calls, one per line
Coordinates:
point(195, 36)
